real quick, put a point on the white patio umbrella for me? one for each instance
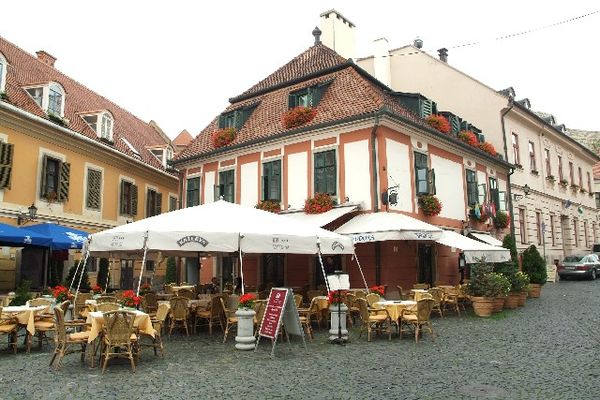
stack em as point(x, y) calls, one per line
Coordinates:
point(218, 227)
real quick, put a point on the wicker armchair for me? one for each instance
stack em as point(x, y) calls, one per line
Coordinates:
point(360, 294)
point(118, 338)
point(403, 295)
point(107, 307)
point(310, 313)
point(418, 320)
point(231, 320)
point(9, 327)
point(179, 314)
point(373, 298)
point(437, 294)
point(187, 293)
point(259, 308)
point(451, 301)
point(375, 319)
point(158, 322)
point(150, 303)
point(213, 315)
point(80, 306)
point(63, 340)
point(298, 300)
point(107, 299)
point(423, 286)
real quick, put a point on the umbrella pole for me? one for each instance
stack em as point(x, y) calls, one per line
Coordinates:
point(322, 266)
point(143, 263)
point(75, 274)
point(108, 274)
point(241, 270)
point(87, 253)
point(361, 271)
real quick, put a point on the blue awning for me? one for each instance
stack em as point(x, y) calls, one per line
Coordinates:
point(20, 237)
point(62, 237)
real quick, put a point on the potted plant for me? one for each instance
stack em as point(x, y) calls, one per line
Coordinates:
point(482, 289)
point(130, 300)
point(298, 116)
point(483, 216)
point(519, 283)
point(322, 202)
point(245, 313)
point(380, 290)
point(488, 148)
point(269, 205)
point(430, 204)
point(145, 289)
point(439, 122)
point(61, 293)
point(535, 267)
point(501, 220)
point(96, 290)
point(503, 287)
point(223, 137)
point(468, 137)
point(338, 310)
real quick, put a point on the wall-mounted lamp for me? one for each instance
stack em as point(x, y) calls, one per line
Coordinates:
point(390, 196)
point(31, 215)
point(526, 190)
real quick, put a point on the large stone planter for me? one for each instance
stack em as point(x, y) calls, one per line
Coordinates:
point(535, 289)
point(338, 318)
point(483, 306)
point(245, 339)
point(512, 300)
point(522, 298)
point(499, 303)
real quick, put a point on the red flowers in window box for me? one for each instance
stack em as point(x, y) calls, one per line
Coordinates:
point(223, 137)
point(439, 122)
point(430, 205)
point(130, 299)
point(61, 294)
point(298, 116)
point(488, 148)
point(321, 203)
point(247, 301)
point(269, 205)
point(377, 289)
point(469, 138)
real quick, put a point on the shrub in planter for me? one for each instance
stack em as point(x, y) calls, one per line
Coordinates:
point(502, 283)
point(469, 138)
point(171, 274)
point(439, 122)
point(488, 148)
point(223, 137)
point(22, 294)
point(535, 267)
point(501, 220)
point(298, 116)
point(482, 288)
point(430, 204)
point(269, 205)
point(321, 203)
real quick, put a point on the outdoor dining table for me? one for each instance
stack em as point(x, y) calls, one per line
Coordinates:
point(96, 320)
point(418, 293)
point(25, 315)
point(395, 308)
point(176, 289)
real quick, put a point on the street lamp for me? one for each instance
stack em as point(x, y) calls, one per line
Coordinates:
point(31, 215)
point(526, 190)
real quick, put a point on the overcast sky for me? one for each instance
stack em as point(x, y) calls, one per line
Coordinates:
point(177, 62)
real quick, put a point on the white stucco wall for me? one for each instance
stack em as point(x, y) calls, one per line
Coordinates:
point(209, 187)
point(356, 166)
point(449, 187)
point(398, 169)
point(297, 181)
point(249, 188)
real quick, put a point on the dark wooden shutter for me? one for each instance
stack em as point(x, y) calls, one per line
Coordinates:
point(134, 199)
point(6, 159)
point(122, 200)
point(318, 92)
point(43, 178)
point(221, 121)
point(291, 100)
point(431, 181)
point(63, 181)
point(158, 203)
point(265, 182)
point(94, 185)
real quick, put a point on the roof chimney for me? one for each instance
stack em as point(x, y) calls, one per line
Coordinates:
point(443, 53)
point(418, 43)
point(317, 34)
point(338, 33)
point(46, 58)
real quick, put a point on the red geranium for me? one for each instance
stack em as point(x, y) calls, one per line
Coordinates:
point(223, 137)
point(334, 298)
point(488, 148)
point(469, 138)
point(145, 289)
point(130, 299)
point(321, 203)
point(430, 204)
point(439, 122)
point(247, 300)
point(96, 289)
point(269, 205)
point(377, 289)
point(298, 116)
point(61, 293)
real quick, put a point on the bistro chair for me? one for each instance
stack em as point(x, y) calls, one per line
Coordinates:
point(187, 293)
point(168, 288)
point(150, 303)
point(311, 294)
point(63, 340)
point(298, 300)
point(9, 327)
point(79, 306)
point(158, 322)
point(451, 301)
point(437, 294)
point(423, 286)
point(375, 319)
point(259, 308)
point(373, 298)
point(360, 294)
point(353, 310)
point(403, 295)
point(107, 299)
point(118, 338)
point(107, 307)
point(312, 312)
point(213, 315)
point(232, 302)
point(179, 313)
point(231, 320)
point(418, 320)
point(263, 294)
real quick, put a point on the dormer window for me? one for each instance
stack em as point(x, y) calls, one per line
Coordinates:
point(49, 97)
point(164, 155)
point(3, 69)
point(235, 119)
point(101, 123)
point(308, 97)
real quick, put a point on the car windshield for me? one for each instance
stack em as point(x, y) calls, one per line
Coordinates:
point(573, 258)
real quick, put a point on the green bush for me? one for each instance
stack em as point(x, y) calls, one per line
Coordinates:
point(85, 280)
point(102, 273)
point(483, 282)
point(509, 243)
point(519, 282)
point(534, 265)
point(171, 274)
point(22, 294)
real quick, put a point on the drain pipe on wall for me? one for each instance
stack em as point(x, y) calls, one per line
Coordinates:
point(376, 195)
point(512, 170)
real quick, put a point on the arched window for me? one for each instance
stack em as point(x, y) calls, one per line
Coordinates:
point(3, 68)
point(106, 126)
point(56, 99)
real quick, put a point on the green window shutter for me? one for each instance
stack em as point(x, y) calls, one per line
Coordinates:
point(481, 138)
point(134, 199)
point(63, 181)
point(318, 92)
point(472, 188)
point(431, 181)
point(265, 188)
point(466, 126)
point(426, 108)
point(6, 160)
point(94, 189)
point(221, 121)
point(123, 200)
point(291, 101)
point(43, 179)
point(455, 123)
point(158, 204)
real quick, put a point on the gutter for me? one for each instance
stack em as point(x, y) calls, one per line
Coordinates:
point(511, 104)
point(376, 194)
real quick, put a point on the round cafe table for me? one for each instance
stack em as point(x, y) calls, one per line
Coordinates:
point(395, 308)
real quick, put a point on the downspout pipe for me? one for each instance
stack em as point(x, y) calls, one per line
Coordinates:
point(512, 169)
point(376, 195)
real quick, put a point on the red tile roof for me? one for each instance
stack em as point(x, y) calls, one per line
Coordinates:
point(183, 139)
point(25, 69)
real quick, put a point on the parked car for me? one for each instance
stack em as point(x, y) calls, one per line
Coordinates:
point(586, 266)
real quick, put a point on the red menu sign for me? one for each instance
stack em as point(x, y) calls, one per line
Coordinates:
point(273, 313)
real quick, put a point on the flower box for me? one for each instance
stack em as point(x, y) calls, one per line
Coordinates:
point(551, 178)
point(574, 187)
point(298, 116)
point(488, 148)
point(430, 205)
point(564, 182)
point(439, 123)
point(223, 137)
point(322, 202)
point(269, 205)
point(501, 220)
point(534, 172)
point(469, 138)
point(483, 217)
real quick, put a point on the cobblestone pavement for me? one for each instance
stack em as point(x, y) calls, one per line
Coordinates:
point(546, 350)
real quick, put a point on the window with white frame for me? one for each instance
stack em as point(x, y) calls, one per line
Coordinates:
point(3, 69)
point(101, 123)
point(164, 155)
point(50, 98)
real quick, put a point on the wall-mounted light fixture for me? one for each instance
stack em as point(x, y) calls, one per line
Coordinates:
point(526, 190)
point(31, 215)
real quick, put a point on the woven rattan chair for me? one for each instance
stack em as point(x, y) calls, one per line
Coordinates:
point(375, 319)
point(298, 300)
point(232, 302)
point(437, 294)
point(353, 311)
point(373, 298)
point(179, 314)
point(311, 294)
point(403, 295)
point(212, 316)
point(259, 308)
point(150, 303)
point(107, 299)
point(360, 294)
point(423, 286)
point(168, 288)
point(40, 301)
point(451, 301)
point(158, 322)
point(79, 306)
point(9, 327)
point(107, 307)
point(419, 319)
point(311, 313)
point(187, 293)
point(231, 320)
point(63, 340)
point(118, 338)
